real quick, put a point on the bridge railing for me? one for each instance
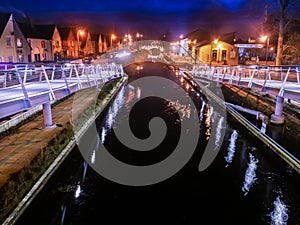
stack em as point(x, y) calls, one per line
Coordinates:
point(152, 50)
point(27, 85)
point(281, 81)
point(231, 73)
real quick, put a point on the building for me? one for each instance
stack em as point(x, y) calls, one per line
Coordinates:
point(44, 41)
point(13, 44)
point(210, 48)
point(50, 32)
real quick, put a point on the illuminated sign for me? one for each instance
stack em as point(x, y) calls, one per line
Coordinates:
point(249, 45)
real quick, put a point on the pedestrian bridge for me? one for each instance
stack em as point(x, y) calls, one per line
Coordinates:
point(24, 86)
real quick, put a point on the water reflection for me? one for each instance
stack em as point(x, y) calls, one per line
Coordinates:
point(250, 175)
point(175, 106)
point(231, 148)
point(111, 115)
point(219, 129)
point(279, 216)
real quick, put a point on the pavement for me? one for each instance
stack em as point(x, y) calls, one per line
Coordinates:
point(19, 148)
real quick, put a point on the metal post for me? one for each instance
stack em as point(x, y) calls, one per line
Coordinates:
point(277, 117)
point(47, 116)
point(268, 40)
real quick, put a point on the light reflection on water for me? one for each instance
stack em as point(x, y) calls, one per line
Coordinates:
point(219, 129)
point(111, 115)
point(279, 216)
point(250, 175)
point(231, 148)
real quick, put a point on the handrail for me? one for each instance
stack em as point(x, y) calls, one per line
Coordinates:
point(278, 80)
point(37, 85)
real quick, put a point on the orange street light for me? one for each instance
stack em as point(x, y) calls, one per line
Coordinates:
point(113, 37)
point(79, 33)
point(265, 38)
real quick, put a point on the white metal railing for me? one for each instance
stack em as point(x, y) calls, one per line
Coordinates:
point(37, 84)
point(282, 78)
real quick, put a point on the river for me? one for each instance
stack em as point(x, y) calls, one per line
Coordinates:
point(243, 182)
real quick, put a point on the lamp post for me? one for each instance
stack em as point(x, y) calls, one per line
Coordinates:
point(139, 36)
point(113, 37)
point(79, 33)
point(267, 39)
point(219, 55)
point(214, 42)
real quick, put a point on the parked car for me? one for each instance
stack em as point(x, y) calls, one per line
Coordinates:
point(88, 60)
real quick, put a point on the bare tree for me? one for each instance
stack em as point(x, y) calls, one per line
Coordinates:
point(286, 18)
point(283, 4)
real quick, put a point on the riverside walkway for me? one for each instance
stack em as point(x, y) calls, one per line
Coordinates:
point(21, 147)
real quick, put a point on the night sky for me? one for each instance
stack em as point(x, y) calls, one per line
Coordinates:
point(153, 18)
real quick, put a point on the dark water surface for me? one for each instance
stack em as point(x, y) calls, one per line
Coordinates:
point(246, 183)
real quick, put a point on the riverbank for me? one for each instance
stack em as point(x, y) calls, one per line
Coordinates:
point(265, 103)
point(27, 150)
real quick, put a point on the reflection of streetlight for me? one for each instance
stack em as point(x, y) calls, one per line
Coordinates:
point(79, 33)
point(113, 37)
point(267, 39)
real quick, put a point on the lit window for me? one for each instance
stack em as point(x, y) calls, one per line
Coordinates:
point(19, 43)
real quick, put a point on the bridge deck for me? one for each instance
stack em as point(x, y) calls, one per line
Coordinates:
point(26, 86)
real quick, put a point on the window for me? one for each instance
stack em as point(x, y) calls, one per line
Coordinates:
point(57, 44)
point(224, 54)
point(10, 59)
point(19, 43)
point(214, 55)
point(232, 54)
point(8, 42)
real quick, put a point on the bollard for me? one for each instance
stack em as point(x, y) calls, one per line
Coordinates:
point(47, 116)
point(277, 118)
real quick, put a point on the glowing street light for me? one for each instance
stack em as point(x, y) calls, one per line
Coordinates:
point(139, 36)
point(79, 33)
point(220, 46)
point(214, 42)
point(265, 38)
point(112, 38)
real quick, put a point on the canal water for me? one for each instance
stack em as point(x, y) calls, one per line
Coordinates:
point(244, 182)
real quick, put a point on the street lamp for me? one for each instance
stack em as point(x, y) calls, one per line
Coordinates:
point(214, 42)
point(113, 37)
point(79, 33)
point(219, 54)
point(139, 36)
point(267, 39)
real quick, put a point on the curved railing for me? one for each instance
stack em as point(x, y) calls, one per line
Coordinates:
point(280, 81)
point(152, 50)
point(24, 86)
